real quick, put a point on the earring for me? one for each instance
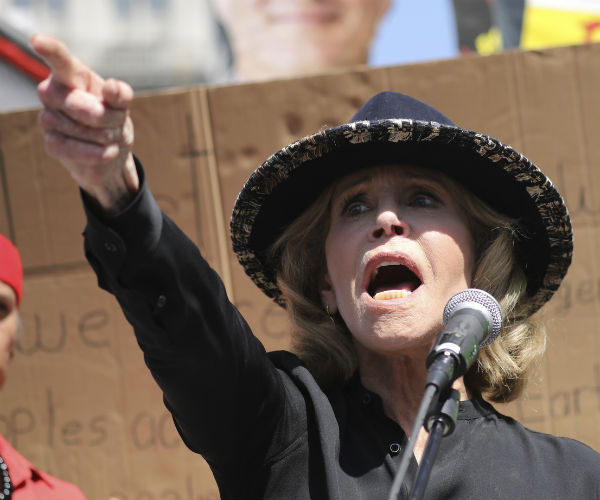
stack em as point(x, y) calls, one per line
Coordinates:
point(329, 314)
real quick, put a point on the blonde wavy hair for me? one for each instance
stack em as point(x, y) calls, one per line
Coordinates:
point(324, 343)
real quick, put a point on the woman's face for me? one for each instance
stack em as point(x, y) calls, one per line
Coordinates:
point(9, 325)
point(294, 37)
point(398, 248)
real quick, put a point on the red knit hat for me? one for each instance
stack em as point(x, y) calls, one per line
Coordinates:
point(11, 269)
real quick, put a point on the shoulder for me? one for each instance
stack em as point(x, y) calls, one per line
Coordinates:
point(31, 482)
point(55, 488)
point(566, 463)
point(563, 453)
point(286, 361)
point(300, 385)
point(296, 378)
point(577, 452)
point(507, 453)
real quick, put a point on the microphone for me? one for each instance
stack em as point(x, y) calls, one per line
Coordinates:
point(472, 319)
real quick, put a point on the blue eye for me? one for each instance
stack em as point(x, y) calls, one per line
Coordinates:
point(354, 206)
point(424, 199)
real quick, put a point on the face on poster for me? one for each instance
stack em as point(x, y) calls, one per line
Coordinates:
point(291, 37)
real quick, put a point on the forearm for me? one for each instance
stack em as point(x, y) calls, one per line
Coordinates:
point(214, 373)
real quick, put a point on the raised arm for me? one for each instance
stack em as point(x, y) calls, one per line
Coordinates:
point(216, 377)
point(87, 126)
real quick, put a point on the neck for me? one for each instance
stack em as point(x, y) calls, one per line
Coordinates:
point(399, 379)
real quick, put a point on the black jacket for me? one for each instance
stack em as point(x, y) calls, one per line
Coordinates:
point(260, 420)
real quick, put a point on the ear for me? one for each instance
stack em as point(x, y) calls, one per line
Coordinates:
point(328, 295)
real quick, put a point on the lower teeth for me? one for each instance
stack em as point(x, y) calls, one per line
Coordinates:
point(391, 294)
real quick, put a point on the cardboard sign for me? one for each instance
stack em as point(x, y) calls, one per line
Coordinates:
point(79, 401)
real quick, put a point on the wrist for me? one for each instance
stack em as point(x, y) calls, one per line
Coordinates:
point(117, 191)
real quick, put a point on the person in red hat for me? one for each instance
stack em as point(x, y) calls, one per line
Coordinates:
point(11, 293)
point(410, 254)
point(19, 478)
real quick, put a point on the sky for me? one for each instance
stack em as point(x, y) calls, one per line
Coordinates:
point(415, 31)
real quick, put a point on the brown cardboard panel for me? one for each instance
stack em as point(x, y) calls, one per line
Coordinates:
point(42, 207)
point(573, 369)
point(559, 119)
point(5, 226)
point(173, 145)
point(548, 90)
point(80, 403)
point(582, 163)
point(476, 93)
point(564, 398)
point(588, 80)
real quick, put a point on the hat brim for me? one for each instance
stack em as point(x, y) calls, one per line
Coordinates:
point(290, 180)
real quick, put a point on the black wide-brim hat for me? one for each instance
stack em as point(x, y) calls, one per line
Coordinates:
point(392, 128)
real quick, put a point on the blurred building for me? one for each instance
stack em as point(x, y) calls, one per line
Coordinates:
point(20, 70)
point(156, 44)
point(152, 44)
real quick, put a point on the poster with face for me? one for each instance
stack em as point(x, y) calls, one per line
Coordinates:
point(282, 38)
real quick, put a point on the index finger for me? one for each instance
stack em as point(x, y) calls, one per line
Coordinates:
point(66, 68)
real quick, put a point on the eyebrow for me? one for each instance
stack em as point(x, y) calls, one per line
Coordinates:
point(7, 297)
point(366, 176)
point(344, 185)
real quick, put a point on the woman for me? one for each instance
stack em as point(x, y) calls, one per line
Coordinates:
point(363, 232)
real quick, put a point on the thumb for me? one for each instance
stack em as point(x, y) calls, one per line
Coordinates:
point(117, 94)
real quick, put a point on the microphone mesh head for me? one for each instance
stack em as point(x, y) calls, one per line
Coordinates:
point(478, 299)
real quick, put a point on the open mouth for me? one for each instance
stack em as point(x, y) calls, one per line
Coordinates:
point(392, 280)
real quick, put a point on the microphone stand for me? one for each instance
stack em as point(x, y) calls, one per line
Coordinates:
point(470, 317)
point(442, 372)
point(440, 422)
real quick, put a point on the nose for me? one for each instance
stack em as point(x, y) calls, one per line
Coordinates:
point(387, 224)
